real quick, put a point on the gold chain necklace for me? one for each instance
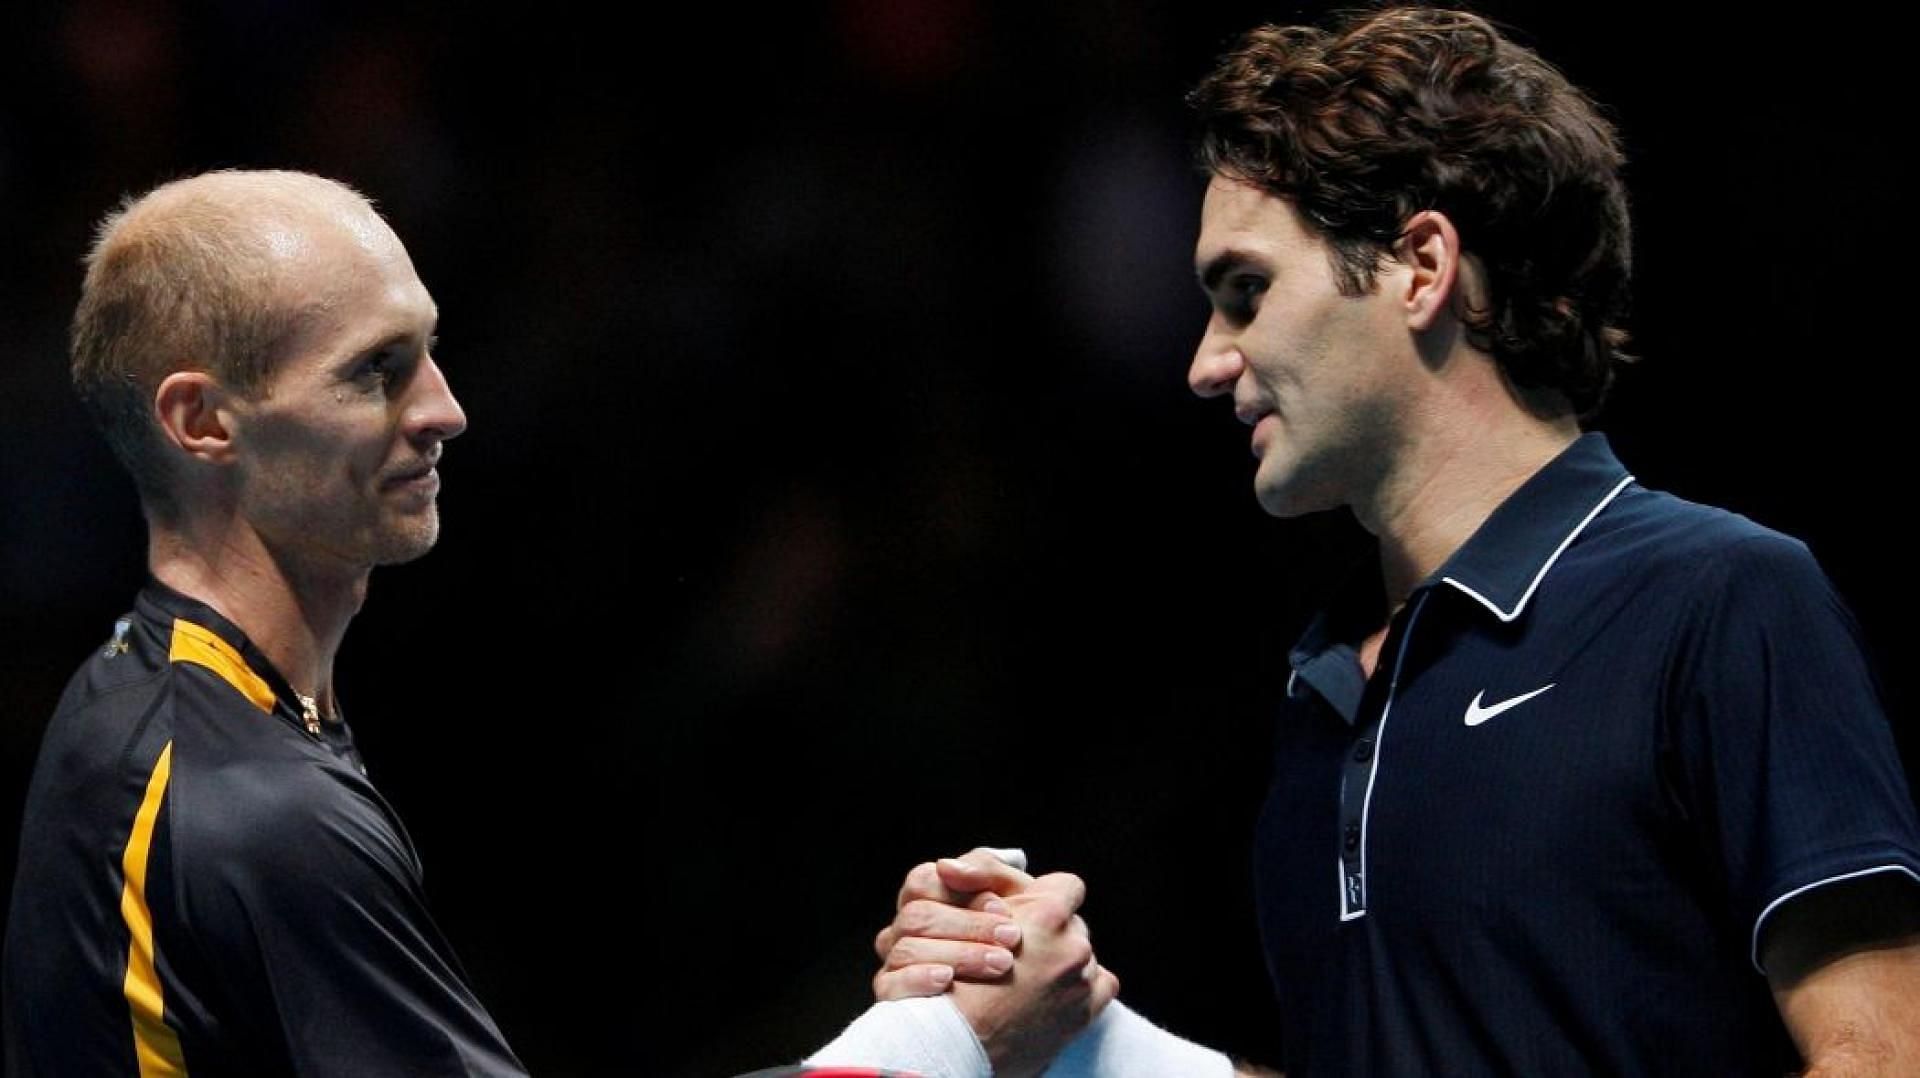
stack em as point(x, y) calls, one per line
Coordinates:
point(310, 712)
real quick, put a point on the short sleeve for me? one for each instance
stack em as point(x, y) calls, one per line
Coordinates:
point(1786, 762)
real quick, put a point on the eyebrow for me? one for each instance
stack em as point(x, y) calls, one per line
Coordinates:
point(377, 344)
point(1220, 265)
point(380, 344)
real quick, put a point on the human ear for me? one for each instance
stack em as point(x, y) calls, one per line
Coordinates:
point(1429, 247)
point(194, 413)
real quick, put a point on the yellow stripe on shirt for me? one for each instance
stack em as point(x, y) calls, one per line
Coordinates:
point(154, 1042)
point(197, 644)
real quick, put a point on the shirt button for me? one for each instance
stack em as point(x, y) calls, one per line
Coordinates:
point(1363, 751)
point(1352, 839)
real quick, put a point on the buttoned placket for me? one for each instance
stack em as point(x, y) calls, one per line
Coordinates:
point(1361, 770)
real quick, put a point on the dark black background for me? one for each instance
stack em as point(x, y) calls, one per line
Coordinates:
point(833, 498)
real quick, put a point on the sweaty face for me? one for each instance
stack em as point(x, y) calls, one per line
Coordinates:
point(337, 454)
point(1322, 378)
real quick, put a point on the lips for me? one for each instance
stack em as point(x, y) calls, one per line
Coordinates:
point(1262, 418)
point(1263, 430)
point(422, 475)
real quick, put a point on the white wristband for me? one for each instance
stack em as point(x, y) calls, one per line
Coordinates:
point(1121, 1044)
point(928, 1037)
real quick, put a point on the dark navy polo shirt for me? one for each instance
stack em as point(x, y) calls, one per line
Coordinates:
point(1603, 743)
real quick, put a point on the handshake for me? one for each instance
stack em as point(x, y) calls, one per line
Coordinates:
point(1010, 948)
point(987, 970)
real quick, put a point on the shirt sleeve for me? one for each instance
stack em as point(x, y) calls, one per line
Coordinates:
point(1786, 764)
point(306, 899)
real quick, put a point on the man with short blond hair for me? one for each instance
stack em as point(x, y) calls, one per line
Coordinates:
point(208, 882)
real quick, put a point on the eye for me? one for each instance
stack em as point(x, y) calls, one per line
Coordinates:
point(1240, 299)
point(376, 368)
point(381, 370)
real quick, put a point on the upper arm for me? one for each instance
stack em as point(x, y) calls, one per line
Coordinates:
point(1787, 767)
point(1844, 964)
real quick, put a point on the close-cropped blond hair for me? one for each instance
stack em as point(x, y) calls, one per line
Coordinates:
point(185, 278)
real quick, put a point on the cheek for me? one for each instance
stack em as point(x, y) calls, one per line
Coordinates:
point(365, 460)
point(1273, 355)
point(319, 459)
point(1355, 349)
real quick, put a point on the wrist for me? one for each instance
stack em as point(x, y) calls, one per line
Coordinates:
point(1122, 1044)
point(927, 1036)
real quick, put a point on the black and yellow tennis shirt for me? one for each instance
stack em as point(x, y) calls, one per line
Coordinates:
point(209, 885)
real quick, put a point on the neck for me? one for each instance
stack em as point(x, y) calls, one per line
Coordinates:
point(1466, 451)
point(294, 613)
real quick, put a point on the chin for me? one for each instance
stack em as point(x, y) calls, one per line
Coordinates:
point(403, 544)
point(1289, 499)
point(1278, 505)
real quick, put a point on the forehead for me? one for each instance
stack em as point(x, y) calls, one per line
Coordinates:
point(1238, 218)
point(354, 288)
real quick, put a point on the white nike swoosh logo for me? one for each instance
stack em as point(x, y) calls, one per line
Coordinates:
point(1477, 714)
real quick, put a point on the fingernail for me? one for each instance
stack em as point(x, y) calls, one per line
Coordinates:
point(941, 976)
point(1006, 935)
point(1091, 971)
point(998, 961)
point(998, 908)
point(955, 864)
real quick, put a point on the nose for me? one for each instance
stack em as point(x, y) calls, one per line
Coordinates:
point(433, 414)
point(1217, 365)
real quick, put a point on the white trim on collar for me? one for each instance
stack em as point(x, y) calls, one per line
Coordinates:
point(1541, 575)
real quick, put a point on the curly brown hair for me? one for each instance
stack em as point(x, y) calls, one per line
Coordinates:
point(1394, 112)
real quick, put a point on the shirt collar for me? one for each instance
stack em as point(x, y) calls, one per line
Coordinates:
point(1322, 658)
point(164, 604)
point(1500, 566)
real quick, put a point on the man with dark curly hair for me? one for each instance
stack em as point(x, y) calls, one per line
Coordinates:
point(1602, 774)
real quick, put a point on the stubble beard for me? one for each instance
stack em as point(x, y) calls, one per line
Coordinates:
point(407, 539)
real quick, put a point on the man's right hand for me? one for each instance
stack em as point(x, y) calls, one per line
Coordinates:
point(1012, 947)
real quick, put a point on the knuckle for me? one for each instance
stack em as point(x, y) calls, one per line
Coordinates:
point(1074, 887)
point(1075, 953)
point(904, 952)
point(922, 881)
point(1050, 910)
point(915, 918)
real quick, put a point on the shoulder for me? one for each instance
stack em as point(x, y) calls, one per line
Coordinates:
point(122, 715)
point(1687, 526)
point(1699, 547)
